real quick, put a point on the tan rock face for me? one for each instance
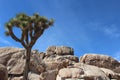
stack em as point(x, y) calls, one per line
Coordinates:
point(111, 73)
point(58, 63)
point(36, 63)
point(14, 60)
point(16, 78)
point(59, 50)
point(82, 71)
point(57, 58)
point(101, 61)
point(3, 73)
point(49, 75)
point(70, 72)
point(33, 76)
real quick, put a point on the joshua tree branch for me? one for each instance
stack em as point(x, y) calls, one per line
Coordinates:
point(34, 39)
point(13, 36)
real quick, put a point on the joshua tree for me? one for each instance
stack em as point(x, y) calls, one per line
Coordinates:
point(32, 27)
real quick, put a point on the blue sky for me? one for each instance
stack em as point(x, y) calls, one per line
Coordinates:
point(88, 26)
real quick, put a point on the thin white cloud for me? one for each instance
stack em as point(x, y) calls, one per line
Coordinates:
point(112, 31)
point(117, 56)
point(109, 30)
point(6, 42)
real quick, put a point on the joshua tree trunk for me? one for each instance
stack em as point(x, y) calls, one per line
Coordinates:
point(27, 63)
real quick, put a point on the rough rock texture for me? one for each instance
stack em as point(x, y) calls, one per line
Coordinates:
point(58, 63)
point(14, 59)
point(59, 50)
point(71, 72)
point(3, 72)
point(82, 71)
point(111, 73)
point(16, 78)
point(49, 75)
point(101, 61)
point(33, 76)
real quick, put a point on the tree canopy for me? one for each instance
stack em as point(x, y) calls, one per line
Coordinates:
point(32, 28)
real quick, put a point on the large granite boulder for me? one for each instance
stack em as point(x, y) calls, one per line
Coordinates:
point(58, 57)
point(59, 50)
point(111, 73)
point(36, 63)
point(102, 61)
point(16, 78)
point(81, 71)
point(14, 60)
point(49, 75)
point(3, 72)
point(33, 76)
point(58, 62)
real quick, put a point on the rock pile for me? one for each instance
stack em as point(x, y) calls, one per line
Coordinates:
point(58, 63)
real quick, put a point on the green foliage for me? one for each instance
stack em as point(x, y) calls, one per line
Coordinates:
point(7, 33)
point(23, 21)
point(32, 27)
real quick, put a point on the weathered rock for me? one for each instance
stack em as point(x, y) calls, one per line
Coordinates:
point(70, 72)
point(16, 78)
point(33, 76)
point(36, 64)
point(3, 72)
point(50, 50)
point(58, 64)
point(102, 61)
point(14, 60)
point(82, 71)
point(64, 50)
point(90, 70)
point(41, 55)
point(59, 50)
point(65, 58)
point(49, 75)
point(111, 73)
point(54, 65)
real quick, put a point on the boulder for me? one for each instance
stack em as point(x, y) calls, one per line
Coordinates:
point(33, 76)
point(3, 72)
point(65, 58)
point(37, 64)
point(91, 71)
point(14, 60)
point(54, 65)
point(63, 50)
point(58, 62)
point(16, 78)
point(102, 61)
point(59, 50)
point(50, 51)
point(49, 75)
point(70, 72)
point(81, 71)
point(111, 73)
